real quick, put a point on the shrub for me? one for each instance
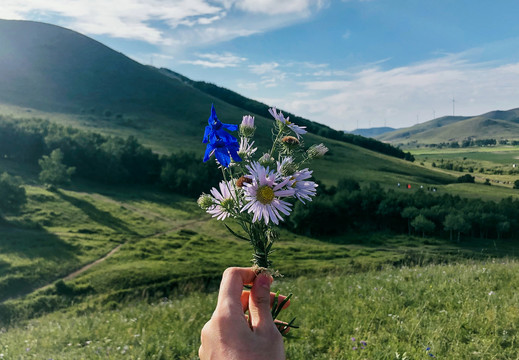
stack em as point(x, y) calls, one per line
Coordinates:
point(467, 178)
point(12, 193)
point(53, 171)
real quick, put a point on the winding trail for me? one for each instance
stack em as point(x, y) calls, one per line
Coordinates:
point(168, 224)
point(88, 266)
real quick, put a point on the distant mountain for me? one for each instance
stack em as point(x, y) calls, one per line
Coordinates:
point(495, 124)
point(372, 132)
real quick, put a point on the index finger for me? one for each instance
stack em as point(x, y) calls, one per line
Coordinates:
point(231, 287)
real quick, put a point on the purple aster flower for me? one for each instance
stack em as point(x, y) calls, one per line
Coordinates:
point(223, 201)
point(298, 130)
point(264, 193)
point(303, 189)
point(248, 121)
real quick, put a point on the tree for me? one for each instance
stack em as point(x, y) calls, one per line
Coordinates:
point(12, 193)
point(467, 178)
point(53, 171)
point(421, 223)
point(409, 213)
point(502, 227)
point(456, 222)
point(516, 184)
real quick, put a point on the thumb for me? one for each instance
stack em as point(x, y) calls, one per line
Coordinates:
point(259, 301)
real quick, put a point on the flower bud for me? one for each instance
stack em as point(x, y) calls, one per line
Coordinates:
point(242, 180)
point(290, 142)
point(247, 126)
point(266, 160)
point(317, 151)
point(205, 201)
point(287, 167)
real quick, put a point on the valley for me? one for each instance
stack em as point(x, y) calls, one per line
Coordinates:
point(393, 258)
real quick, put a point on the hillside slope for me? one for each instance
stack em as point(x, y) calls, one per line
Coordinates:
point(495, 124)
point(54, 69)
point(372, 132)
point(71, 79)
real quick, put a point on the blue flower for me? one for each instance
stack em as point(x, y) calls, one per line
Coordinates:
point(219, 142)
point(222, 151)
point(215, 130)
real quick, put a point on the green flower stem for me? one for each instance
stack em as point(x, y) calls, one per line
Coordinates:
point(262, 244)
point(280, 132)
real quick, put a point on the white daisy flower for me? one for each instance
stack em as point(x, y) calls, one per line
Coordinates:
point(223, 201)
point(264, 193)
point(246, 149)
point(298, 130)
point(303, 189)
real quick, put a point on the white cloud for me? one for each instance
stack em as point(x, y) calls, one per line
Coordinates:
point(270, 74)
point(274, 7)
point(264, 68)
point(177, 23)
point(247, 85)
point(214, 60)
point(118, 18)
point(403, 94)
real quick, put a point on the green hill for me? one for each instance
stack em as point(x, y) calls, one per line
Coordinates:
point(495, 124)
point(53, 69)
point(53, 72)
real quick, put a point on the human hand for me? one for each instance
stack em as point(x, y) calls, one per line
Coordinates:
point(231, 335)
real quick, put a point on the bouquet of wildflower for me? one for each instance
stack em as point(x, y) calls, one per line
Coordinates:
point(257, 194)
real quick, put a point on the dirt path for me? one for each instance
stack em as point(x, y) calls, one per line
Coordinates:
point(81, 270)
point(88, 266)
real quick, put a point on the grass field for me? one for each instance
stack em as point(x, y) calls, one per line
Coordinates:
point(399, 294)
point(499, 155)
point(457, 311)
point(493, 163)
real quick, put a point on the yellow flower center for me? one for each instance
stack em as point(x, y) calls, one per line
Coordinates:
point(265, 195)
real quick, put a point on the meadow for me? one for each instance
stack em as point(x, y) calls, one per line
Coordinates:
point(396, 295)
point(364, 294)
point(454, 311)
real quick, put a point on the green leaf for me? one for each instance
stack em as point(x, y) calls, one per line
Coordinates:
point(232, 232)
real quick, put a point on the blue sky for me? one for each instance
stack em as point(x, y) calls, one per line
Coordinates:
point(347, 64)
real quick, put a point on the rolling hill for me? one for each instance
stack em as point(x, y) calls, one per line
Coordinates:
point(51, 70)
point(372, 132)
point(495, 124)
